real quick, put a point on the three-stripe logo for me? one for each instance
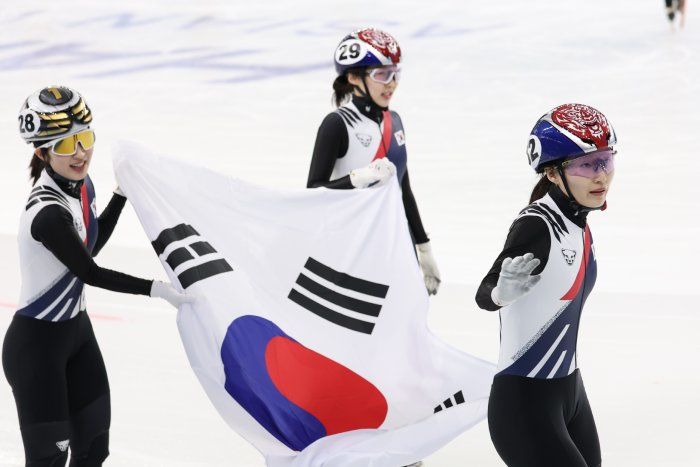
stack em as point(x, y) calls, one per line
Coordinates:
point(337, 297)
point(456, 399)
point(46, 193)
point(549, 215)
point(192, 259)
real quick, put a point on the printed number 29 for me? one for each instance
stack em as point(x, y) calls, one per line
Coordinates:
point(26, 123)
point(354, 51)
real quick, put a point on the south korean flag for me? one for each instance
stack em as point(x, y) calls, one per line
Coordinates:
point(309, 330)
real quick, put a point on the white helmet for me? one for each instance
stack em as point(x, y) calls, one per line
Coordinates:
point(52, 113)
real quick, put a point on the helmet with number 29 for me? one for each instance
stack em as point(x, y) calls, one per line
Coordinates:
point(366, 48)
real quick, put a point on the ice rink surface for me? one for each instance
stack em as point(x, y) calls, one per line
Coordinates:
point(241, 88)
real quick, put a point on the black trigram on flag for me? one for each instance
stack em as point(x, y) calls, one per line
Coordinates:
point(196, 256)
point(340, 298)
point(457, 399)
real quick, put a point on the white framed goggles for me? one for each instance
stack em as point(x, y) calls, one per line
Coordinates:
point(385, 74)
point(68, 145)
point(591, 164)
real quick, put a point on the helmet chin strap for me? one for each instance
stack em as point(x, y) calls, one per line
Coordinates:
point(365, 92)
point(359, 89)
point(575, 205)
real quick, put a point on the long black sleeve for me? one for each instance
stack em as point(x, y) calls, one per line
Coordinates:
point(412, 214)
point(53, 227)
point(528, 234)
point(107, 221)
point(331, 144)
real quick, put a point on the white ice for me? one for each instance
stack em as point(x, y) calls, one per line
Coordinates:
point(241, 88)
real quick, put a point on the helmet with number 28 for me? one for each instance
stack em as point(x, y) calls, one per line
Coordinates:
point(53, 113)
point(567, 132)
point(366, 48)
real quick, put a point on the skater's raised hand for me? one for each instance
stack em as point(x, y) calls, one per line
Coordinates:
point(515, 279)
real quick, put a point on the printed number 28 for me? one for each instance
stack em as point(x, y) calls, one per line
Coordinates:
point(26, 123)
point(354, 51)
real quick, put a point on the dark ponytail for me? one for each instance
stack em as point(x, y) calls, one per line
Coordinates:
point(36, 165)
point(541, 189)
point(341, 89)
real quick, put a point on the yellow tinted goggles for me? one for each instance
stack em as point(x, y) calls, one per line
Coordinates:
point(68, 146)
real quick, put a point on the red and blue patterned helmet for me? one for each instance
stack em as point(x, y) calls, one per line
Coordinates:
point(567, 132)
point(365, 48)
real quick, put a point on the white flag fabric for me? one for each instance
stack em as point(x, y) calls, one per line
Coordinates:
point(309, 333)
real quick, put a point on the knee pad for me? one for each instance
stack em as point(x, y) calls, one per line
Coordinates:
point(46, 444)
point(90, 434)
point(96, 454)
point(87, 424)
point(59, 460)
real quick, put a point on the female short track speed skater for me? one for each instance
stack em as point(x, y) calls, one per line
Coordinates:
point(539, 415)
point(362, 143)
point(675, 9)
point(50, 355)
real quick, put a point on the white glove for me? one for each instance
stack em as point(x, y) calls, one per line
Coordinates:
point(166, 291)
point(515, 280)
point(376, 173)
point(431, 274)
point(118, 191)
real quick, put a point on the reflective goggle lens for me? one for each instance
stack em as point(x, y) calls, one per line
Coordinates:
point(589, 165)
point(385, 74)
point(69, 145)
